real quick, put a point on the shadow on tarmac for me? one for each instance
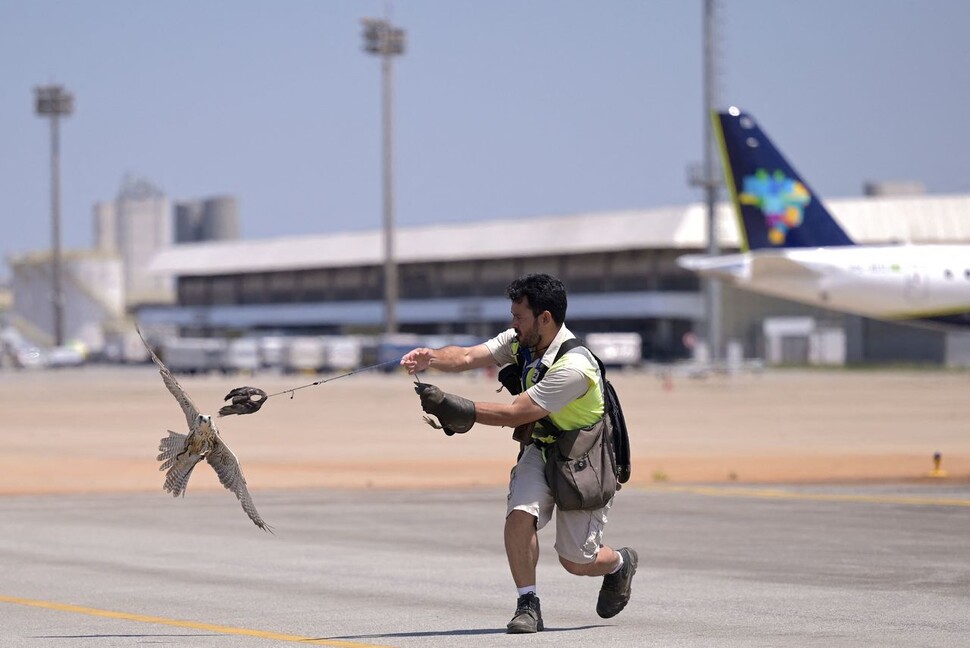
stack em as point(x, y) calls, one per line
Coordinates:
point(446, 633)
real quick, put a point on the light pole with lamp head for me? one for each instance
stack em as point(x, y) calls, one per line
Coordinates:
point(387, 41)
point(54, 101)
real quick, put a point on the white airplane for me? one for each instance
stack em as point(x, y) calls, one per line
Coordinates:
point(792, 248)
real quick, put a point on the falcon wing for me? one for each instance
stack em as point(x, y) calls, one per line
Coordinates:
point(224, 462)
point(191, 412)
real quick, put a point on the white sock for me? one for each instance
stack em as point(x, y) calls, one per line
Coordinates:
point(619, 565)
point(525, 590)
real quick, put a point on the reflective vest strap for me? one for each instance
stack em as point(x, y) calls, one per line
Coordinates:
point(564, 348)
point(545, 424)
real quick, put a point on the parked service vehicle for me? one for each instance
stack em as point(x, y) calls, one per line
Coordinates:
point(272, 351)
point(30, 357)
point(124, 346)
point(18, 352)
point(305, 354)
point(616, 349)
point(66, 356)
point(193, 355)
point(343, 352)
point(241, 355)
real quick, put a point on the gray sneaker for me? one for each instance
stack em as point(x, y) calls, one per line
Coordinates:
point(528, 616)
point(615, 592)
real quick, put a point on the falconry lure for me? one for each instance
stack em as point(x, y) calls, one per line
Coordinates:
point(181, 452)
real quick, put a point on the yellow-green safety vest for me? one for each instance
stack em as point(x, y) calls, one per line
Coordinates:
point(580, 413)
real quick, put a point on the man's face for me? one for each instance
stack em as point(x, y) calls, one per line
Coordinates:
point(526, 324)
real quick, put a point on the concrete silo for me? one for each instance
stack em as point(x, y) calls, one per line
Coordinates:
point(212, 219)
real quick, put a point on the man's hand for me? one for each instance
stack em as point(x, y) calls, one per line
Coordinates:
point(417, 360)
point(456, 414)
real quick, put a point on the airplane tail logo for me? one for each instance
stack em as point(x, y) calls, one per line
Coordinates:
point(780, 198)
point(775, 206)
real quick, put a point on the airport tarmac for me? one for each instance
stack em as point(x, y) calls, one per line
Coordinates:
point(719, 566)
point(789, 508)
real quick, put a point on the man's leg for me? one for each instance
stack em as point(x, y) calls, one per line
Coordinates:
point(579, 537)
point(530, 507)
point(522, 547)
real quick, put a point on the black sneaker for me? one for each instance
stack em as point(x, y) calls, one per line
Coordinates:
point(528, 617)
point(615, 592)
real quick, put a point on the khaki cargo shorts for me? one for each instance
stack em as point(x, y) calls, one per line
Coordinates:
point(579, 534)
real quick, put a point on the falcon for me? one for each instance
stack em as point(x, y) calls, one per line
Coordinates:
point(179, 453)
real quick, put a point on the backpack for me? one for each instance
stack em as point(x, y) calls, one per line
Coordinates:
point(511, 378)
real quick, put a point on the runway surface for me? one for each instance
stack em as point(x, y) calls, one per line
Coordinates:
point(720, 566)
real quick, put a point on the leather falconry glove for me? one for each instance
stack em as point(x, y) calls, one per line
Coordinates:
point(456, 415)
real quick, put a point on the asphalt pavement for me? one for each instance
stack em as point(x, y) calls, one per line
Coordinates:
point(721, 566)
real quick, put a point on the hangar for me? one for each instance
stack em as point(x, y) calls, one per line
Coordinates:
point(619, 267)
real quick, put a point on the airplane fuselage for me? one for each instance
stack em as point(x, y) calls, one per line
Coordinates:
point(898, 282)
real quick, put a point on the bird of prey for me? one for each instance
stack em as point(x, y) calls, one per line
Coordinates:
point(181, 452)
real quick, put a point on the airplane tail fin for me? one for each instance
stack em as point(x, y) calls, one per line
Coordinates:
point(776, 208)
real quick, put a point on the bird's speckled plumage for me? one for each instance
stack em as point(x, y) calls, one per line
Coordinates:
point(179, 453)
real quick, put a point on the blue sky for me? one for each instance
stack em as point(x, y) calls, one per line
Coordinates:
point(502, 109)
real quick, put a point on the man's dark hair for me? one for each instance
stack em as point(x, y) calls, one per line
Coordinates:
point(544, 292)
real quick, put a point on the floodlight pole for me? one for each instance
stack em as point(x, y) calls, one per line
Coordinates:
point(54, 101)
point(713, 286)
point(387, 41)
point(707, 177)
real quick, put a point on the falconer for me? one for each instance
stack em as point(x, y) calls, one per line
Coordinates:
point(567, 392)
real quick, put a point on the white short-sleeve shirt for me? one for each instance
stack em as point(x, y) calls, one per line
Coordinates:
point(559, 387)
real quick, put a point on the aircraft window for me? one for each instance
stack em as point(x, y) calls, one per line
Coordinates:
point(948, 274)
point(966, 274)
point(751, 142)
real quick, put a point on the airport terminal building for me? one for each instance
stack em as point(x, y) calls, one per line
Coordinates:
point(619, 267)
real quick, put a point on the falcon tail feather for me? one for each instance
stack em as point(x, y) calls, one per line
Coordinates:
point(170, 447)
point(177, 462)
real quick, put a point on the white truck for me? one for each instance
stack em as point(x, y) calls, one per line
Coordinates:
point(305, 354)
point(616, 349)
point(241, 356)
point(193, 355)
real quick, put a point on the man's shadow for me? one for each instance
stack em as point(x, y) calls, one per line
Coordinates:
point(446, 633)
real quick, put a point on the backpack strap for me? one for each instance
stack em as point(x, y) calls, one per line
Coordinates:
point(568, 345)
point(564, 348)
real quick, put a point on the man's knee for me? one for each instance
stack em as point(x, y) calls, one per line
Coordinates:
point(577, 569)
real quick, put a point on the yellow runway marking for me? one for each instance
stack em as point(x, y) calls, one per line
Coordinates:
point(141, 618)
point(765, 493)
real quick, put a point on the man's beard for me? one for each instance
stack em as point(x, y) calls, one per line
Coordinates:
point(529, 340)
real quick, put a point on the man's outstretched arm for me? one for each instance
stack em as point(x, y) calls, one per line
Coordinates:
point(449, 358)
